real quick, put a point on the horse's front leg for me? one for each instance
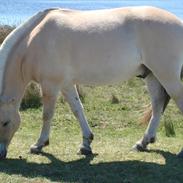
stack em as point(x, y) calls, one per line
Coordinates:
point(72, 97)
point(159, 101)
point(49, 100)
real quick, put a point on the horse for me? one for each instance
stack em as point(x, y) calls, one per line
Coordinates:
point(61, 48)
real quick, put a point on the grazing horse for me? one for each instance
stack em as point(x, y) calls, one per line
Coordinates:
point(59, 48)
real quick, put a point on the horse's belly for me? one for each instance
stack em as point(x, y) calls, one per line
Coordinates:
point(108, 69)
point(102, 78)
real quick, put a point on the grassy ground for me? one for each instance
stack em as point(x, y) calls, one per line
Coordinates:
point(116, 128)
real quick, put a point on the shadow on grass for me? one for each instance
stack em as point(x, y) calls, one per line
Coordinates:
point(82, 171)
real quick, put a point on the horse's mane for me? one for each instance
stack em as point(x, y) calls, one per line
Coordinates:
point(14, 37)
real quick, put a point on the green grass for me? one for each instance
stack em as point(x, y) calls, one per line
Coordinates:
point(116, 127)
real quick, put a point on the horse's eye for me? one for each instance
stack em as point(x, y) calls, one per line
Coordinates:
point(6, 123)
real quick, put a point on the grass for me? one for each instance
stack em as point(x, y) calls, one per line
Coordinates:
point(116, 127)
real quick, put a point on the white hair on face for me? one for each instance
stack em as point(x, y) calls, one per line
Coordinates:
point(14, 36)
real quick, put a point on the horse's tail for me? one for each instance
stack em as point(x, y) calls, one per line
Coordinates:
point(146, 115)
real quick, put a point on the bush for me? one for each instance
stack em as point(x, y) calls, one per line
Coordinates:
point(169, 128)
point(32, 97)
point(114, 99)
point(4, 31)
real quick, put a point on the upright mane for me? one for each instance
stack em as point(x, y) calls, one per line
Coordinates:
point(14, 36)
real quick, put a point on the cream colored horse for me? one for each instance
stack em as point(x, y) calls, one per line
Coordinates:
point(61, 48)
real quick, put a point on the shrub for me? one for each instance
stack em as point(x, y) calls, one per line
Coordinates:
point(4, 31)
point(169, 128)
point(32, 97)
point(114, 99)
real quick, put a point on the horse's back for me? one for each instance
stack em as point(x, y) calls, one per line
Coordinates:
point(84, 46)
point(103, 45)
point(101, 20)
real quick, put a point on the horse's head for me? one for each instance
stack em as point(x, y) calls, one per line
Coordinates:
point(9, 123)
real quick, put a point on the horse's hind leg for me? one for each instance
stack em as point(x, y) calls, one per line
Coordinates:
point(159, 101)
point(176, 90)
point(50, 93)
point(72, 97)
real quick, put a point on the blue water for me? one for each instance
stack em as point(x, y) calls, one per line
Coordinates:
point(13, 12)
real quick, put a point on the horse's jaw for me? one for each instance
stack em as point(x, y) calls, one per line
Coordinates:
point(3, 151)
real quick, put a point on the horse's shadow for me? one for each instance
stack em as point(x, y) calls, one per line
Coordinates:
point(82, 170)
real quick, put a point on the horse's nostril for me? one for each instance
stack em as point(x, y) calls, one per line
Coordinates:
point(6, 123)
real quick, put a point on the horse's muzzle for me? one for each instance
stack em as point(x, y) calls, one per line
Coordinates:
point(3, 151)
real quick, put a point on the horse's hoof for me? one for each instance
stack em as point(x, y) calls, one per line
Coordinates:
point(139, 148)
point(180, 154)
point(35, 149)
point(84, 151)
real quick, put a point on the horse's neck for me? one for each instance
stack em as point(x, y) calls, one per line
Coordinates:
point(13, 85)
